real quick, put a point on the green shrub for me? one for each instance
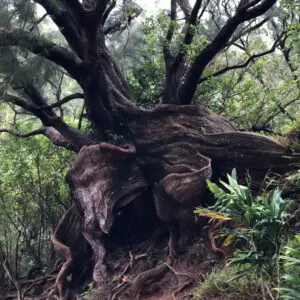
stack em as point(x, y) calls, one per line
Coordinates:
point(259, 224)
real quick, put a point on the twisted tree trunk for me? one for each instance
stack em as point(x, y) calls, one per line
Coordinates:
point(171, 150)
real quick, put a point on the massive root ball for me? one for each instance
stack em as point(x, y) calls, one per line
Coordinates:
point(173, 150)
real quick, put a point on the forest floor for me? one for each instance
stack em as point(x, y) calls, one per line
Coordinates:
point(181, 280)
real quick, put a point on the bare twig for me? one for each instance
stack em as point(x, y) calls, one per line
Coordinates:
point(180, 273)
point(22, 135)
point(242, 65)
point(242, 14)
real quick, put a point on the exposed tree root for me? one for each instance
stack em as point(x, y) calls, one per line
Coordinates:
point(69, 243)
point(181, 273)
point(66, 253)
point(120, 288)
point(147, 277)
point(214, 247)
point(173, 151)
point(39, 281)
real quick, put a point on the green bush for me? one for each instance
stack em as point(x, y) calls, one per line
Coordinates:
point(259, 224)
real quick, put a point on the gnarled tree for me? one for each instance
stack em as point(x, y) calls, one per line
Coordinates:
point(169, 150)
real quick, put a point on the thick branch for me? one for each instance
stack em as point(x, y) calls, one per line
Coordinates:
point(41, 46)
point(68, 25)
point(169, 36)
point(59, 140)
point(185, 7)
point(245, 31)
point(192, 22)
point(68, 134)
point(52, 134)
point(257, 10)
point(76, 9)
point(108, 11)
point(188, 89)
point(98, 12)
point(175, 67)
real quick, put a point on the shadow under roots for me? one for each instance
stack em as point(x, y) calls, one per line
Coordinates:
point(137, 256)
point(134, 223)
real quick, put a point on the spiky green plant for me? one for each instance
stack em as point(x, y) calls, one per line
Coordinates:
point(259, 223)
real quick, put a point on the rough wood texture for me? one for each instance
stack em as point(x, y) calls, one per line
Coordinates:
point(70, 244)
point(175, 149)
point(102, 177)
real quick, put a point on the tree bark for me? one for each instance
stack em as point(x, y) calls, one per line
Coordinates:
point(173, 150)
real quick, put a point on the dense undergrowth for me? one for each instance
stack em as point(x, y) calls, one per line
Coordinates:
point(265, 263)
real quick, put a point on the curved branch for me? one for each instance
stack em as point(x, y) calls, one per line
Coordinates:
point(64, 134)
point(62, 15)
point(43, 47)
point(52, 134)
point(64, 101)
point(59, 140)
point(239, 66)
point(21, 134)
point(247, 30)
point(188, 89)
